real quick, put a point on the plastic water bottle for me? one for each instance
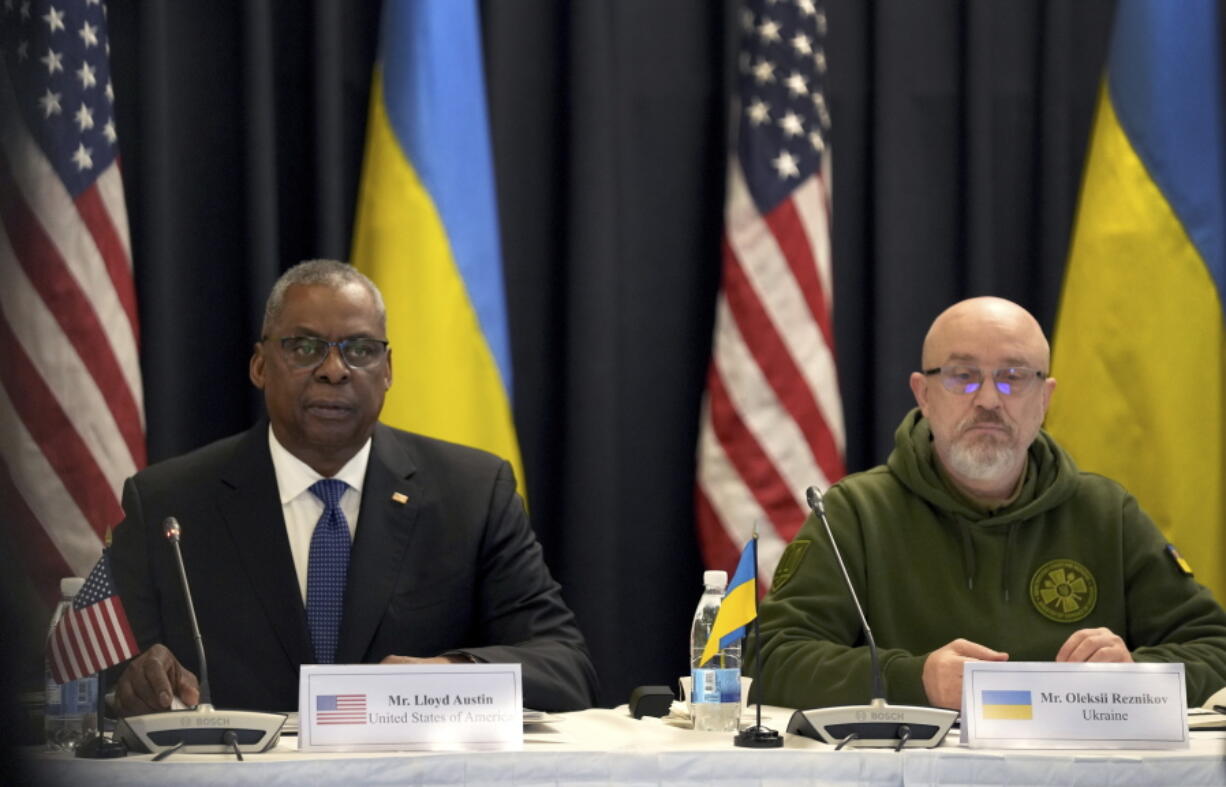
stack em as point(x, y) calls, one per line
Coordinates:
point(715, 693)
point(72, 707)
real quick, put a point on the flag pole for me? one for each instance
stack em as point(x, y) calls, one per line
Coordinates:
point(98, 746)
point(757, 736)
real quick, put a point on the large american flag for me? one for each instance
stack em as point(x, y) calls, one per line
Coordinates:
point(71, 409)
point(95, 633)
point(772, 419)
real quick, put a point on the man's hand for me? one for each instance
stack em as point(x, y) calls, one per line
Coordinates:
point(1100, 644)
point(152, 680)
point(432, 660)
point(943, 670)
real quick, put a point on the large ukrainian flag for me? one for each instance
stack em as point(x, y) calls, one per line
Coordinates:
point(1140, 352)
point(427, 228)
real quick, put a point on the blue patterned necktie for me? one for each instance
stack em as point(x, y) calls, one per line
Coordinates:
point(326, 570)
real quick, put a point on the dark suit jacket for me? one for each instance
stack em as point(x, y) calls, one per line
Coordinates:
point(456, 567)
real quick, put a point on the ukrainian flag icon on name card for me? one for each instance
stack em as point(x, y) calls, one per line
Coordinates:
point(999, 704)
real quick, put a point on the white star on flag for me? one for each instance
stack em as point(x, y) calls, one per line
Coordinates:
point(82, 157)
point(792, 125)
point(54, 19)
point(50, 102)
point(769, 30)
point(759, 112)
point(86, 74)
point(785, 165)
point(53, 60)
point(84, 118)
point(797, 84)
point(764, 71)
point(89, 34)
point(819, 103)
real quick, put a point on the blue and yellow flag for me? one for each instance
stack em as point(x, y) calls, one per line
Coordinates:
point(427, 229)
point(1007, 704)
point(740, 604)
point(1140, 347)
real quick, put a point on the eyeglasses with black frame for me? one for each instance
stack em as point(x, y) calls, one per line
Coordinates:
point(308, 352)
point(1010, 381)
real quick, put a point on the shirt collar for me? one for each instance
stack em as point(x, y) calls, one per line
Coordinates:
point(295, 476)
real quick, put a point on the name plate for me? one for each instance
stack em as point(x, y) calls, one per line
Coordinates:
point(410, 707)
point(1050, 705)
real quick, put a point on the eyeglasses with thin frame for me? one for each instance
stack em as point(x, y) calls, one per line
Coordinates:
point(308, 352)
point(1010, 381)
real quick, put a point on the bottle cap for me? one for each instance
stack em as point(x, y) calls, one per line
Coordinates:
point(71, 586)
point(718, 579)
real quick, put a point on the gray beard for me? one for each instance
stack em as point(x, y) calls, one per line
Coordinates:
point(988, 462)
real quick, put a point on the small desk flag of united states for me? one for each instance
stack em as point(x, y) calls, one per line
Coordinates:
point(95, 633)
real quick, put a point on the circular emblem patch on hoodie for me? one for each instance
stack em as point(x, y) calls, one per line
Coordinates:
point(1063, 590)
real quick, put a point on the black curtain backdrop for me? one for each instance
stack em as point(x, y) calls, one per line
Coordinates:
point(960, 132)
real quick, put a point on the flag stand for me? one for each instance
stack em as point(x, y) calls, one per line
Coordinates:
point(98, 746)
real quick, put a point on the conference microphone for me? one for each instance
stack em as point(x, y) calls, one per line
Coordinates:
point(172, 531)
point(202, 729)
point(878, 724)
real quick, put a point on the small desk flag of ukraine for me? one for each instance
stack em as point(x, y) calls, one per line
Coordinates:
point(740, 605)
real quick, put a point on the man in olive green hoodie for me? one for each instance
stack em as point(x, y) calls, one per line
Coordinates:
point(980, 540)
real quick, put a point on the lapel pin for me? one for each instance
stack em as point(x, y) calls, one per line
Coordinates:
point(400, 497)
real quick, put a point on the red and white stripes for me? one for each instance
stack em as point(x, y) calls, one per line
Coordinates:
point(90, 639)
point(772, 419)
point(71, 403)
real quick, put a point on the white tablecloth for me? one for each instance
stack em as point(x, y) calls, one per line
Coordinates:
point(609, 747)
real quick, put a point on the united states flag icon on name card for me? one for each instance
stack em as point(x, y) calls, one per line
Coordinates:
point(340, 709)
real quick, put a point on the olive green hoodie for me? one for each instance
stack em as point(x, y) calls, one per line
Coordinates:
point(1072, 550)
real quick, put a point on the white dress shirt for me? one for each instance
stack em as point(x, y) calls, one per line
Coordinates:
point(302, 509)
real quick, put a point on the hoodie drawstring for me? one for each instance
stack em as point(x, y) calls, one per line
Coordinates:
point(968, 557)
point(968, 553)
point(1006, 578)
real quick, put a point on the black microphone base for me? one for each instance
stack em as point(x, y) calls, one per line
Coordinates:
point(758, 738)
point(875, 726)
point(201, 730)
point(100, 747)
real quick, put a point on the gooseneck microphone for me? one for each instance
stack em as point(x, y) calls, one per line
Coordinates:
point(170, 527)
point(878, 724)
point(202, 729)
point(816, 504)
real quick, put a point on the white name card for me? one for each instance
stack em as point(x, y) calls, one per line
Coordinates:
point(1050, 705)
point(410, 707)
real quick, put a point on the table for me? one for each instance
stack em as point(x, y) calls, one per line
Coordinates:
point(603, 746)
